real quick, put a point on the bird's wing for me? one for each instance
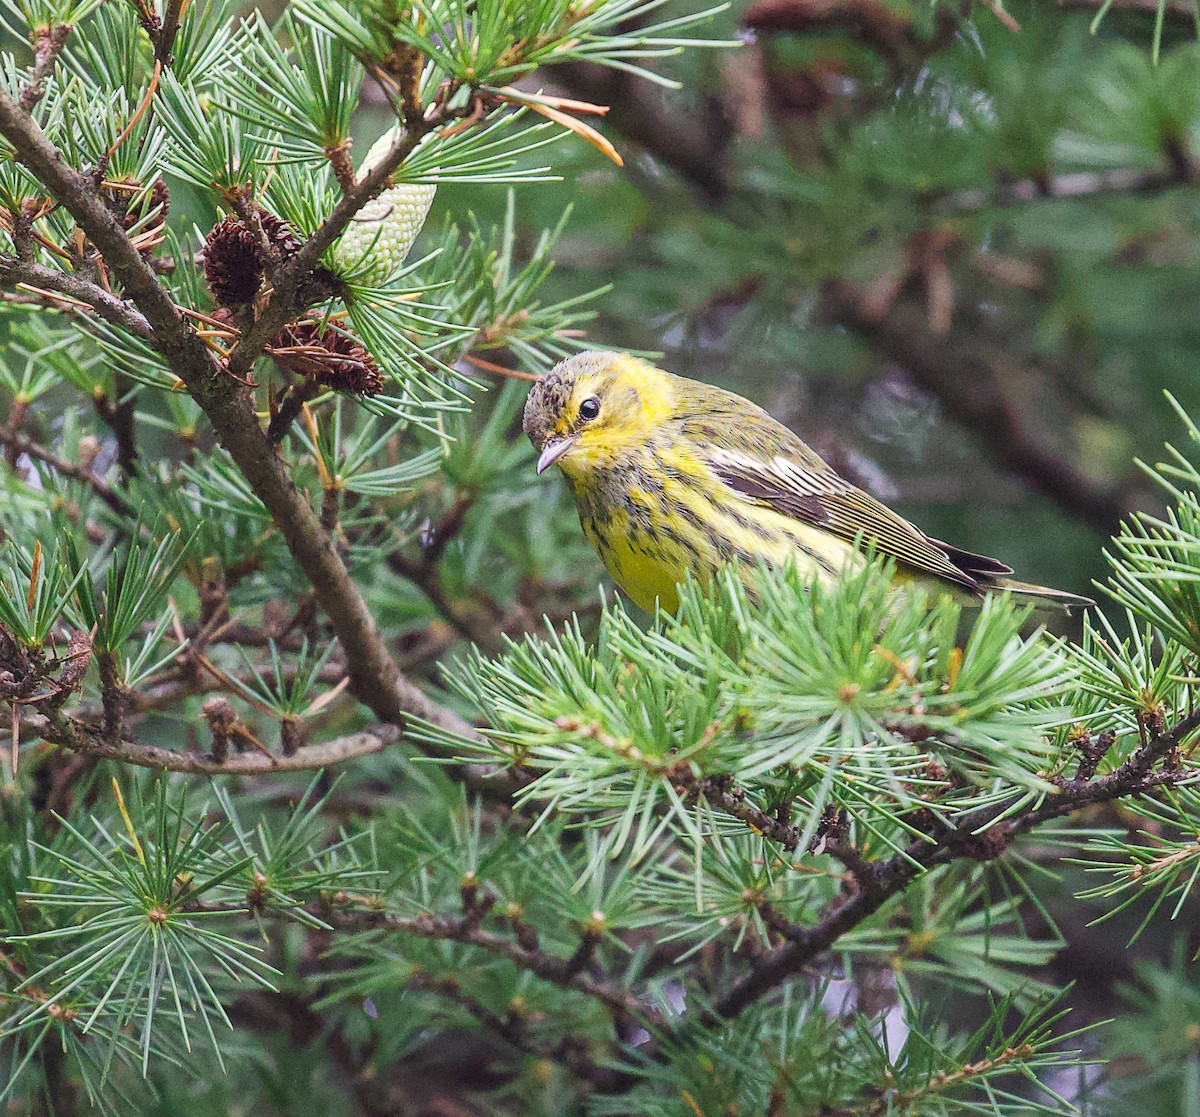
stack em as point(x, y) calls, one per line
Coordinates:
point(796, 482)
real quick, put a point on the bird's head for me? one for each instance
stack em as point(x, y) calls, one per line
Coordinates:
point(593, 408)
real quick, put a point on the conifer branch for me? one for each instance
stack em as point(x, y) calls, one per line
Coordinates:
point(164, 38)
point(72, 733)
point(549, 967)
point(47, 47)
point(87, 740)
point(375, 677)
point(1081, 184)
point(722, 794)
point(292, 281)
point(567, 1052)
point(353, 914)
point(896, 1100)
point(78, 291)
point(964, 378)
point(21, 444)
point(974, 837)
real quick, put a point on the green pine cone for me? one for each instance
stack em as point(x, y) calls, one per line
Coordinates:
point(372, 250)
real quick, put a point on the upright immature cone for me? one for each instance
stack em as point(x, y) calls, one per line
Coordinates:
point(372, 250)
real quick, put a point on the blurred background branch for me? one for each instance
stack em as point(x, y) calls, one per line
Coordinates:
point(325, 726)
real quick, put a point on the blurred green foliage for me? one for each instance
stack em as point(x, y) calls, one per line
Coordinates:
point(957, 248)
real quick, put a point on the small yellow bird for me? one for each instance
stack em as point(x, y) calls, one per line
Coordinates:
point(672, 476)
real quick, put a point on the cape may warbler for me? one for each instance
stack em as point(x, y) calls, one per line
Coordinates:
point(671, 476)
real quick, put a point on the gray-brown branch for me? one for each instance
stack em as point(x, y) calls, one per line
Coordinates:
point(965, 381)
point(684, 141)
point(548, 967)
point(105, 304)
point(23, 445)
point(88, 740)
point(375, 677)
point(970, 838)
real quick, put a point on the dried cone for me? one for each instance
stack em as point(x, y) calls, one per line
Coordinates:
point(373, 249)
point(131, 206)
point(333, 359)
point(234, 259)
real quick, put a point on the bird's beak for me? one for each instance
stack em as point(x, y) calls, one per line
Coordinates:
point(553, 450)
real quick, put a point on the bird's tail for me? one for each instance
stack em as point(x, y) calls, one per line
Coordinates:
point(992, 574)
point(1041, 597)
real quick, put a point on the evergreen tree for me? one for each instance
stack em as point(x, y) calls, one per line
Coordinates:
point(334, 785)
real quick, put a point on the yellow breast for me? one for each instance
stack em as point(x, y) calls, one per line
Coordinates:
point(672, 518)
point(645, 577)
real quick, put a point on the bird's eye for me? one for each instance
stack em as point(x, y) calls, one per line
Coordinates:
point(589, 409)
